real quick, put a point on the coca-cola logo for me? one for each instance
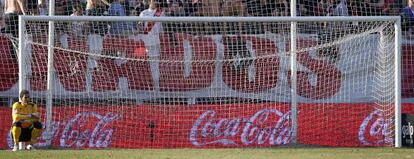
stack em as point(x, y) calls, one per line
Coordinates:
point(376, 130)
point(407, 131)
point(266, 126)
point(86, 129)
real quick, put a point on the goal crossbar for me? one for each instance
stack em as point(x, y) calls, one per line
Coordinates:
point(212, 19)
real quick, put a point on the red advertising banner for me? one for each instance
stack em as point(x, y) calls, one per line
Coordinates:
point(212, 126)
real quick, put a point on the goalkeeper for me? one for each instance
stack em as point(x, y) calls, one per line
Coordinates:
point(25, 116)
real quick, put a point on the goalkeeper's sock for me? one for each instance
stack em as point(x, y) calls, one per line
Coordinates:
point(15, 148)
point(35, 134)
point(16, 132)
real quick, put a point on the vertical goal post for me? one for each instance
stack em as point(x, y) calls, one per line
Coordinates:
point(24, 77)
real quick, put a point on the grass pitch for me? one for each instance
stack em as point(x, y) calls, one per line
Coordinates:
point(274, 153)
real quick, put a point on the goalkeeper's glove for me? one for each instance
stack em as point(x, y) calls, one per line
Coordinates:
point(35, 115)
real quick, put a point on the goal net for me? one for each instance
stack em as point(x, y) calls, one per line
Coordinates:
point(130, 82)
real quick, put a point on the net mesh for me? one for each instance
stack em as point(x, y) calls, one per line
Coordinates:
point(215, 84)
point(89, 52)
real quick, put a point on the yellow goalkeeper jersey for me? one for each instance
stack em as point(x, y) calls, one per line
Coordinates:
point(21, 111)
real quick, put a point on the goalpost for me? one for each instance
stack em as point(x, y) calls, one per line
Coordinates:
point(214, 81)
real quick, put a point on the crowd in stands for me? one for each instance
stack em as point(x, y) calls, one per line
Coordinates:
point(235, 7)
point(232, 8)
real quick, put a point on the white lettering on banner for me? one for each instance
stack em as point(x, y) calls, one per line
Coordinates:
point(408, 131)
point(379, 129)
point(98, 137)
point(223, 131)
point(46, 138)
point(256, 45)
point(80, 84)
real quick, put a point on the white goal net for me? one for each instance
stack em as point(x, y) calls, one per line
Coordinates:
point(130, 82)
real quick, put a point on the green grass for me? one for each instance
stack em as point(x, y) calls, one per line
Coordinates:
point(274, 153)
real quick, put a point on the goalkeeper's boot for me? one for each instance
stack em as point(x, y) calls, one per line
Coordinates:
point(15, 148)
point(30, 147)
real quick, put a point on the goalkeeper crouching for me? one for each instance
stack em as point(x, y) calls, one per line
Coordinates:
point(26, 122)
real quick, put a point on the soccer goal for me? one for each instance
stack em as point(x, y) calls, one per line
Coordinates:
point(207, 82)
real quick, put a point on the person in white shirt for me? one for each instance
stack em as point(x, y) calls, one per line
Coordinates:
point(152, 28)
point(152, 32)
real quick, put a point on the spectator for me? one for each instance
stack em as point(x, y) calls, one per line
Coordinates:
point(32, 7)
point(322, 8)
point(116, 9)
point(190, 7)
point(61, 7)
point(310, 6)
point(388, 6)
point(333, 8)
point(175, 8)
point(370, 7)
point(330, 5)
point(203, 8)
point(281, 8)
point(139, 7)
point(124, 4)
point(234, 8)
point(131, 4)
point(378, 6)
point(13, 8)
point(407, 15)
point(341, 9)
point(97, 8)
point(154, 10)
point(208, 7)
point(133, 12)
point(334, 30)
point(303, 10)
point(394, 9)
point(152, 30)
point(43, 8)
point(267, 7)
